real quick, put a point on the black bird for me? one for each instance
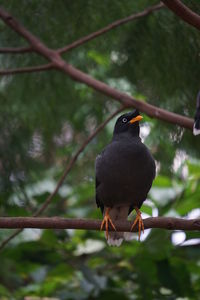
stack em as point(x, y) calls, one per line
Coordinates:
point(125, 170)
point(196, 127)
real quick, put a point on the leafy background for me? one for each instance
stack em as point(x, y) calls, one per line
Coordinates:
point(45, 117)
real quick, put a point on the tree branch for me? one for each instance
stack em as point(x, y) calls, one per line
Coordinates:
point(183, 12)
point(65, 173)
point(109, 27)
point(27, 69)
point(62, 223)
point(82, 77)
point(19, 50)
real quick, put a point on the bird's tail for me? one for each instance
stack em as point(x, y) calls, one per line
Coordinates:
point(118, 214)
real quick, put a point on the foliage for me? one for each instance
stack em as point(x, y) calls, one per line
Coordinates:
point(44, 118)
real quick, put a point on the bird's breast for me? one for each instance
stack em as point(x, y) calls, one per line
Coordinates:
point(127, 168)
point(125, 172)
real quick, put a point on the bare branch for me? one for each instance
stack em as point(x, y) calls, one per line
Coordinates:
point(109, 27)
point(65, 173)
point(80, 76)
point(27, 69)
point(183, 12)
point(19, 50)
point(62, 223)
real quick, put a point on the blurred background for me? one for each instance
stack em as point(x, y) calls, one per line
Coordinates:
point(46, 116)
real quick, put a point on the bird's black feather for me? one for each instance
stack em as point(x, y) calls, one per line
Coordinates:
point(125, 169)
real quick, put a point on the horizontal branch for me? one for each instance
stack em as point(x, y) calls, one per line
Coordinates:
point(27, 69)
point(183, 12)
point(19, 50)
point(109, 27)
point(62, 223)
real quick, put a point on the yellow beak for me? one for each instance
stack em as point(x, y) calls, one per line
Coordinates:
point(138, 118)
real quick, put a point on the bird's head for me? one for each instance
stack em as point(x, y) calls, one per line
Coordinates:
point(128, 123)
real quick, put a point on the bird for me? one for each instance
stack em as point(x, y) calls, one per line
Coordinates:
point(125, 171)
point(196, 126)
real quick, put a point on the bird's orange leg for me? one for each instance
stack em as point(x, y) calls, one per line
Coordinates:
point(106, 221)
point(138, 220)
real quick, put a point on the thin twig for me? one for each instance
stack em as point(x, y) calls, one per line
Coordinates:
point(27, 69)
point(183, 12)
point(8, 239)
point(65, 173)
point(109, 27)
point(63, 223)
point(19, 50)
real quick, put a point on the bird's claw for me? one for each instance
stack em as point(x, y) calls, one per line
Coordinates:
point(106, 220)
point(138, 220)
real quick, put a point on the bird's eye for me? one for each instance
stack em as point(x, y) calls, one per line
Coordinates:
point(124, 120)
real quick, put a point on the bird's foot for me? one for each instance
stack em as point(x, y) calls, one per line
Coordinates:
point(138, 220)
point(106, 220)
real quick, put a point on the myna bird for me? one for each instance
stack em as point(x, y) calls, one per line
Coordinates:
point(125, 170)
point(196, 127)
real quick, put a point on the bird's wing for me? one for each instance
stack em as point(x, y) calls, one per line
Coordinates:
point(196, 127)
point(98, 182)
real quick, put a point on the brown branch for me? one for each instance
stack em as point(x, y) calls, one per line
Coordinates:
point(19, 50)
point(80, 76)
point(183, 12)
point(65, 173)
point(62, 223)
point(41, 68)
point(109, 27)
